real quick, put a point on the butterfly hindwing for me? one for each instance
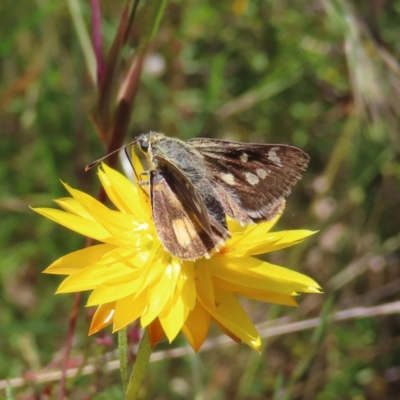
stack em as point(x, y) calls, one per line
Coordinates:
point(255, 177)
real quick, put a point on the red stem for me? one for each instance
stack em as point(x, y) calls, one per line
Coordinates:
point(119, 128)
point(97, 41)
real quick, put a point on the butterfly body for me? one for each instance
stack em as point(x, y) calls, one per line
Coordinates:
point(195, 184)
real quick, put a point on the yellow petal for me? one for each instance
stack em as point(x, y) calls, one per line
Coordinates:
point(227, 332)
point(299, 282)
point(78, 224)
point(102, 317)
point(122, 226)
point(115, 268)
point(291, 238)
point(258, 240)
point(161, 293)
point(128, 255)
point(121, 191)
point(204, 284)
point(108, 269)
point(279, 240)
point(186, 284)
point(257, 274)
point(98, 276)
point(72, 206)
point(234, 271)
point(173, 317)
point(230, 314)
point(70, 263)
point(196, 326)
point(125, 283)
point(107, 293)
point(266, 226)
point(255, 294)
point(128, 309)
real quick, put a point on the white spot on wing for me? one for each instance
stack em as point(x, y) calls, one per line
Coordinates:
point(251, 178)
point(244, 157)
point(262, 173)
point(273, 156)
point(228, 178)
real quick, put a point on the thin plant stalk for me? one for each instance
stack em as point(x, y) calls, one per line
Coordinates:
point(139, 368)
point(123, 356)
point(83, 37)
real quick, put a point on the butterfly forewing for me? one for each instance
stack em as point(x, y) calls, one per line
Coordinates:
point(178, 227)
point(254, 177)
point(185, 192)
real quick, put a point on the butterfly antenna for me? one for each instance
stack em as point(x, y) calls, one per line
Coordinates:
point(97, 162)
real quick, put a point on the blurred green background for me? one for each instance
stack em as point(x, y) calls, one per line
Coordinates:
point(321, 75)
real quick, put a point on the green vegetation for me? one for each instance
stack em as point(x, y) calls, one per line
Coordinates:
point(323, 76)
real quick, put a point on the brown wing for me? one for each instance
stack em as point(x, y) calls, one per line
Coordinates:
point(253, 179)
point(179, 230)
point(194, 194)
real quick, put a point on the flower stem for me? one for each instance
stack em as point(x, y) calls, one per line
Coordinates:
point(123, 356)
point(139, 368)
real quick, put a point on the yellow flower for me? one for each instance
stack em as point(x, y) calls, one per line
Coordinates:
point(131, 276)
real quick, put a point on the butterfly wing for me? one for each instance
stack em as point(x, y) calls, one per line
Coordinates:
point(191, 193)
point(195, 186)
point(252, 179)
point(177, 224)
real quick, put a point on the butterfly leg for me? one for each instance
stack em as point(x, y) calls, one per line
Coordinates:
point(142, 181)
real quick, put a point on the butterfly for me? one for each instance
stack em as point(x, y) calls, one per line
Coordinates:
point(194, 184)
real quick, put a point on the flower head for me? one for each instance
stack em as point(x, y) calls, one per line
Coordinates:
point(132, 276)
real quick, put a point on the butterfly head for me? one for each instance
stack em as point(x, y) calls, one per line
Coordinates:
point(143, 142)
point(147, 140)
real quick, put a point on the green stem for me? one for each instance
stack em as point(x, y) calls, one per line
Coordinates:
point(123, 356)
point(84, 38)
point(139, 368)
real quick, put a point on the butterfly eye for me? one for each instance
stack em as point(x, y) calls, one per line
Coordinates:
point(144, 146)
